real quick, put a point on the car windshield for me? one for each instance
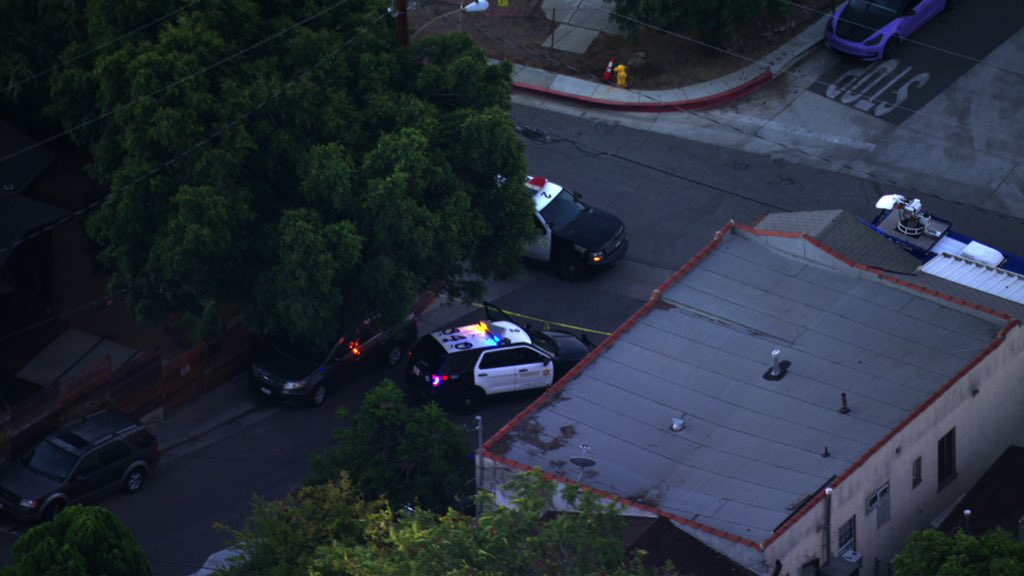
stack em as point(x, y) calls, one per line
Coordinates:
point(877, 6)
point(562, 209)
point(300, 352)
point(544, 341)
point(51, 460)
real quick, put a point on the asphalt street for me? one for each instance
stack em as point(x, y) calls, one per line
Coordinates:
point(675, 179)
point(959, 136)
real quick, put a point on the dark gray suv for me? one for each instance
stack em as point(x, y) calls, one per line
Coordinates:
point(81, 461)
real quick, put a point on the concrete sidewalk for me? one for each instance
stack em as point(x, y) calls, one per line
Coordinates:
point(702, 95)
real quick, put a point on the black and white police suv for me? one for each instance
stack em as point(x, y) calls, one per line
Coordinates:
point(573, 237)
point(464, 365)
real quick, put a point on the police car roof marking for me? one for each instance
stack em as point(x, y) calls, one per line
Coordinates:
point(540, 186)
point(480, 335)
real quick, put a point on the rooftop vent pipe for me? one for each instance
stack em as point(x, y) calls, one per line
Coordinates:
point(778, 369)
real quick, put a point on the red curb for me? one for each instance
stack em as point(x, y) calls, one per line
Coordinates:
point(694, 104)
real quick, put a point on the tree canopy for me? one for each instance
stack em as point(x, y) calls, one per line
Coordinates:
point(79, 541)
point(716, 22)
point(329, 530)
point(934, 553)
point(411, 456)
point(287, 163)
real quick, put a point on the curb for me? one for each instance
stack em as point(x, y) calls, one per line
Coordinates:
point(673, 106)
point(757, 75)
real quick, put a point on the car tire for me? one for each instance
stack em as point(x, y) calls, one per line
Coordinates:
point(52, 509)
point(318, 395)
point(470, 400)
point(393, 355)
point(134, 480)
point(568, 269)
point(890, 48)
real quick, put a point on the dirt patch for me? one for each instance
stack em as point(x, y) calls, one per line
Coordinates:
point(661, 59)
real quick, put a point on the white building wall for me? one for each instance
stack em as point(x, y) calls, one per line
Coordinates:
point(986, 421)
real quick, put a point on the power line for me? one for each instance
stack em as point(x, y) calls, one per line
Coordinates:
point(101, 46)
point(109, 299)
point(177, 82)
point(842, 166)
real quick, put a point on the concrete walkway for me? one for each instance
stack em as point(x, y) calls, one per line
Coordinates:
point(580, 21)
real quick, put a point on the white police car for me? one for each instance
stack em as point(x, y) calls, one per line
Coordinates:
point(465, 364)
point(573, 237)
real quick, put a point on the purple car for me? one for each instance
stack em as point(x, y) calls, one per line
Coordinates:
point(872, 29)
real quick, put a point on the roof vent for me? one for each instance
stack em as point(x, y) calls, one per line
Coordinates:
point(778, 369)
point(844, 409)
point(583, 461)
point(679, 424)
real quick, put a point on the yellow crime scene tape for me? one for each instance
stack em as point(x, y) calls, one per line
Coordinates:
point(546, 323)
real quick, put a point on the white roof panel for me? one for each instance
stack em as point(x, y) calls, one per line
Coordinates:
point(1001, 283)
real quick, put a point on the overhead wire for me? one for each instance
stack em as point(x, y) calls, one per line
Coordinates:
point(177, 82)
point(63, 63)
point(209, 138)
point(881, 178)
point(81, 211)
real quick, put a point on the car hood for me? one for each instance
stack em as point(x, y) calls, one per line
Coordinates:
point(593, 229)
point(283, 366)
point(858, 21)
point(25, 482)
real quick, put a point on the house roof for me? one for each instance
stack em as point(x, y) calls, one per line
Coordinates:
point(754, 449)
point(663, 542)
point(18, 214)
point(25, 160)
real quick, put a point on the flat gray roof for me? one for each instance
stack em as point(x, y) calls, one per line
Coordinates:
point(751, 452)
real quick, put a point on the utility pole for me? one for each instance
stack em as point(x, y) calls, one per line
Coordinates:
point(479, 460)
point(402, 22)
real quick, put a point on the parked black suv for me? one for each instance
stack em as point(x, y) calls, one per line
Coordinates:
point(81, 461)
point(465, 364)
point(301, 374)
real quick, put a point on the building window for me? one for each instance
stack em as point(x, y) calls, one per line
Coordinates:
point(879, 502)
point(947, 457)
point(917, 472)
point(848, 536)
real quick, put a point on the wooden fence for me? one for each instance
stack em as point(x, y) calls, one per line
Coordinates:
point(139, 387)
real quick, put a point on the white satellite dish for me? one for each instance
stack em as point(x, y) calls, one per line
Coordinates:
point(888, 201)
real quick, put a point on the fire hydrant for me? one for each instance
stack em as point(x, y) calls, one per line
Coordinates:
point(609, 71)
point(620, 75)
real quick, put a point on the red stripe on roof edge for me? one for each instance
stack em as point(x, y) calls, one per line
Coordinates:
point(611, 339)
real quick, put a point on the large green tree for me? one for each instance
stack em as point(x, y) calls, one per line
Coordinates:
point(33, 34)
point(281, 538)
point(329, 529)
point(934, 553)
point(504, 541)
point(717, 22)
point(289, 164)
point(411, 456)
point(80, 541)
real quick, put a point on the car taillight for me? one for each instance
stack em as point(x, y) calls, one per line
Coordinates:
point(156, 449)
point(436, 380)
